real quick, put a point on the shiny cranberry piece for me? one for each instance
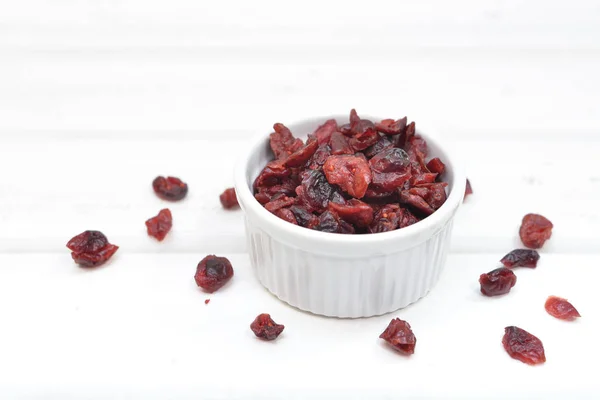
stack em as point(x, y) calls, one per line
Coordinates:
point(561, 309)
point(91, 249)
point(468, 190)
point(386, 219)
point(331, 223)
point(382, 144)
point(320, 156)
point(213, 273)
point(265, 328)
point(304, 217)
point(229, 199)
point(497, 282)
point(354, 211)
point(390, 169)
point(339, 144)
point(169, 188)
point(535, 230)
point(523, 346)
point(351, 173)
point(283, 142)
point(315, 192)
point(521, 258)
point(400, 336)
point(273, 174)
point(391, 127)
point(159, 226)
point(407, 218)
point(324, 132)
point(436, 165)
point(302, 155)
point(416, 202)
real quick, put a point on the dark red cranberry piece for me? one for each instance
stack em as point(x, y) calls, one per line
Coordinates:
point(229, 199)
point(302, 155)
point(273, 174)
point(416, 202)
point(436, 165)
point(206, 301)
point(521, 258)
point(468, 189)
point(535, 230)
point(497, 282)
point(328, 222)
point(324, 132)
point(304, 217)
point(364, 140)
point(320, 156)
point(169, 188)
point(281, 202)
point(386, 219)
point(390, 169)
point(160, 225)
point(391, 127)
point(287, 215)
point(523, 346)
point(400, 336)
point(315, 192)
point(91, 249)
point(265, 328)
point(354, 211)
point(407, 218)
point(435, 194)
point(283, 142)
point(339, 144)
point(382, 144)
point(213, 273)
point(561, 309)
point(351, 173)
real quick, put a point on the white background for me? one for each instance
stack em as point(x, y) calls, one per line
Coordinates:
point(97, 98)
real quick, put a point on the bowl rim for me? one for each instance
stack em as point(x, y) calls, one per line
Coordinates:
point(427, 226)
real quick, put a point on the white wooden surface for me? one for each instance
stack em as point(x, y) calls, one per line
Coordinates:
point(92, 93)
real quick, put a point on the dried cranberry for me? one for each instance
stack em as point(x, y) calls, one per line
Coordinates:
point(265, 328)
point(435, 195)
point(390, 169)
point(339, 144)
point(283, 142)
point(497, 282)
point(315, 191)
point(468, 190)
point(304, 217)
point(213, 273)
point(354, 211)
point(391, 127)
point(400, 336)
point(364, 140)
point(521, 258)
point(320, 156)
point(229, 199)
point(561, 309)
point(280, 202)
point(302, 155)
point(324, 132)
point(416, 202)
point(160, 225)
point(386, 219)
point(169, 188)
point(436, 165)
point(523, 346)
point(206, 301)
point(328, 222)
point(535, 230)
point(406, 218)
point(382, 144)
point(351, 173)
point(287, 215)
point(91, 249)
point(273, 174)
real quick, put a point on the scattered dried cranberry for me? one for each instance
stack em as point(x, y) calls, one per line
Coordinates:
point(229, 199)
point(351, 173)
point(521, 258)
point(91, 249)
point(468, 189)
point(265, 328)
point(213, 273)
point(497, 282)
point(535, 230)
point(169, 188)
point(160, 225)
point(523, 346)
point(561, 309)
point(206, 301)
point(359, 177)
point(400, 336)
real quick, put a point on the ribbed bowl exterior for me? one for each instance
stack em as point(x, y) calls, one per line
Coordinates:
point(347, 287)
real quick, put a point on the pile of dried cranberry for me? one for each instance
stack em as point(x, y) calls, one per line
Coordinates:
point(360, 177)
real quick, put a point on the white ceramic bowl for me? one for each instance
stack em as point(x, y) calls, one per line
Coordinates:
point(339, 275)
